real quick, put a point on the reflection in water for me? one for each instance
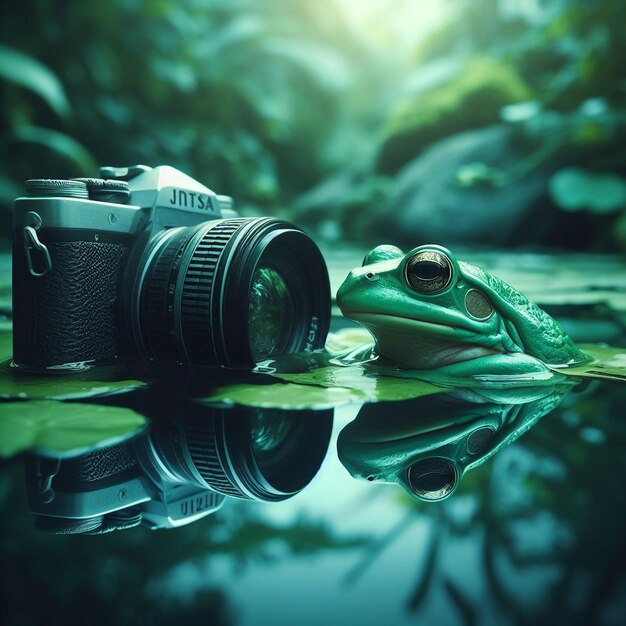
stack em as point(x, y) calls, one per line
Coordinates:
point(182, 470)
point(535, 536)
point(428, 443)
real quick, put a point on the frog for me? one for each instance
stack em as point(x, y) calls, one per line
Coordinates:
point(426, 310)
point(427, 444)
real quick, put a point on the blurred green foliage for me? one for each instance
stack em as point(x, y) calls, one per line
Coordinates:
point(271, 100)
point(473, 98)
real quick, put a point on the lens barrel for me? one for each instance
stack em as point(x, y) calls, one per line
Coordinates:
point(203, 285)
point(267, 455)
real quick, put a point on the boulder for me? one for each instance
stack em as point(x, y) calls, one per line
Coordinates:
point(428, 204)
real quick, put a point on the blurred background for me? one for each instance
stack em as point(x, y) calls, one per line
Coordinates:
point(486, 123)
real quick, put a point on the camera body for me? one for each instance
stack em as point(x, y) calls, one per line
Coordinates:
point(110, 489)
point(151, 262)
point(193, 459)
point(71, 253)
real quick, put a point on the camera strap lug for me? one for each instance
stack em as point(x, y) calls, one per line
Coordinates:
point(33, 246)
point(47, 469)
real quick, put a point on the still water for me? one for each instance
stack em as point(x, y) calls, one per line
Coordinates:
point(534, 534)
point(448, 507)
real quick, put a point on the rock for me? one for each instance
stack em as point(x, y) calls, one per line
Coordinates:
point(472, 99)
point(428, 205)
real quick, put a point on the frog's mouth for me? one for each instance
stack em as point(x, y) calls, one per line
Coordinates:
point(425, 345)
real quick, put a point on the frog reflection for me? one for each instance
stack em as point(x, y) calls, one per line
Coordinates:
point(192, 460)
point(427, 444)
point(426, 310)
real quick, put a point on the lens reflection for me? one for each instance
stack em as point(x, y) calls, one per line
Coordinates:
point(268, 432)
point(271, 312)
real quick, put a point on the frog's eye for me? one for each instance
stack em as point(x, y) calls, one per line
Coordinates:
point(432, 478)
point(428, 271)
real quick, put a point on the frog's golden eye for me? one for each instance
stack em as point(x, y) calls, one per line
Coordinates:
point(428, 271)
point(432, 478)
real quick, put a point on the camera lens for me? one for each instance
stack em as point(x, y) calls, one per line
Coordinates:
point(231, 292)
point(271, 313)
point(257, 454)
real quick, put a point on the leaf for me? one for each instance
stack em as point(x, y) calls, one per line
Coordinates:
point(53, 428)
point(478, 173)
point(520, 112)
point(286, 396)
point(324, 65)
point(574, 189)
point(606, 362)
point(16, 385)
point(27, 72)
point(60, 143)
point(322, 388)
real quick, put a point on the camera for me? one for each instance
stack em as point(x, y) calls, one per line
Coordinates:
point(194, 458)
point(149, 262)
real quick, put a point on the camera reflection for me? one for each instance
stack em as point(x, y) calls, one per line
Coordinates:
point(193, 458)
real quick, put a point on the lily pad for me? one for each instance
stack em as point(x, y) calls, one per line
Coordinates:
point(284, 395)
point(64, 429)
point(373, 386)
point(574, 189)
point(607, 362)
point(322, 388)
point(16, 385)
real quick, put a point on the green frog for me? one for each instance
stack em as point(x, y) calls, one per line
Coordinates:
point(429, 311)
point(427, 444)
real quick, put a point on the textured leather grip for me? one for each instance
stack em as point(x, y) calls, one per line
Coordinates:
point(70, 314)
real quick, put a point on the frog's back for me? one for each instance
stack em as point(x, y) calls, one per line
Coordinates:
point(541, 335)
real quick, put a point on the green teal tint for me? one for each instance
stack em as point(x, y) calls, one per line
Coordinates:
point(427, 310)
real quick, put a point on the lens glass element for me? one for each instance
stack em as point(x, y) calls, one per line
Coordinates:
point(271, 313)
point(273, 442)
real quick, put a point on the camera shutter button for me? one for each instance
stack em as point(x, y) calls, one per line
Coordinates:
point(104, 190)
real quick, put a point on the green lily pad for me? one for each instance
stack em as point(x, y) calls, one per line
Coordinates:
point(574, 189)
point(64, 429)
point(16, 385)
point(322, 388)
point(285, 395)
point(373, 386)
point(607, 362)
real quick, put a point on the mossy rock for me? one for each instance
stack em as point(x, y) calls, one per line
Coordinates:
point(472, 100)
